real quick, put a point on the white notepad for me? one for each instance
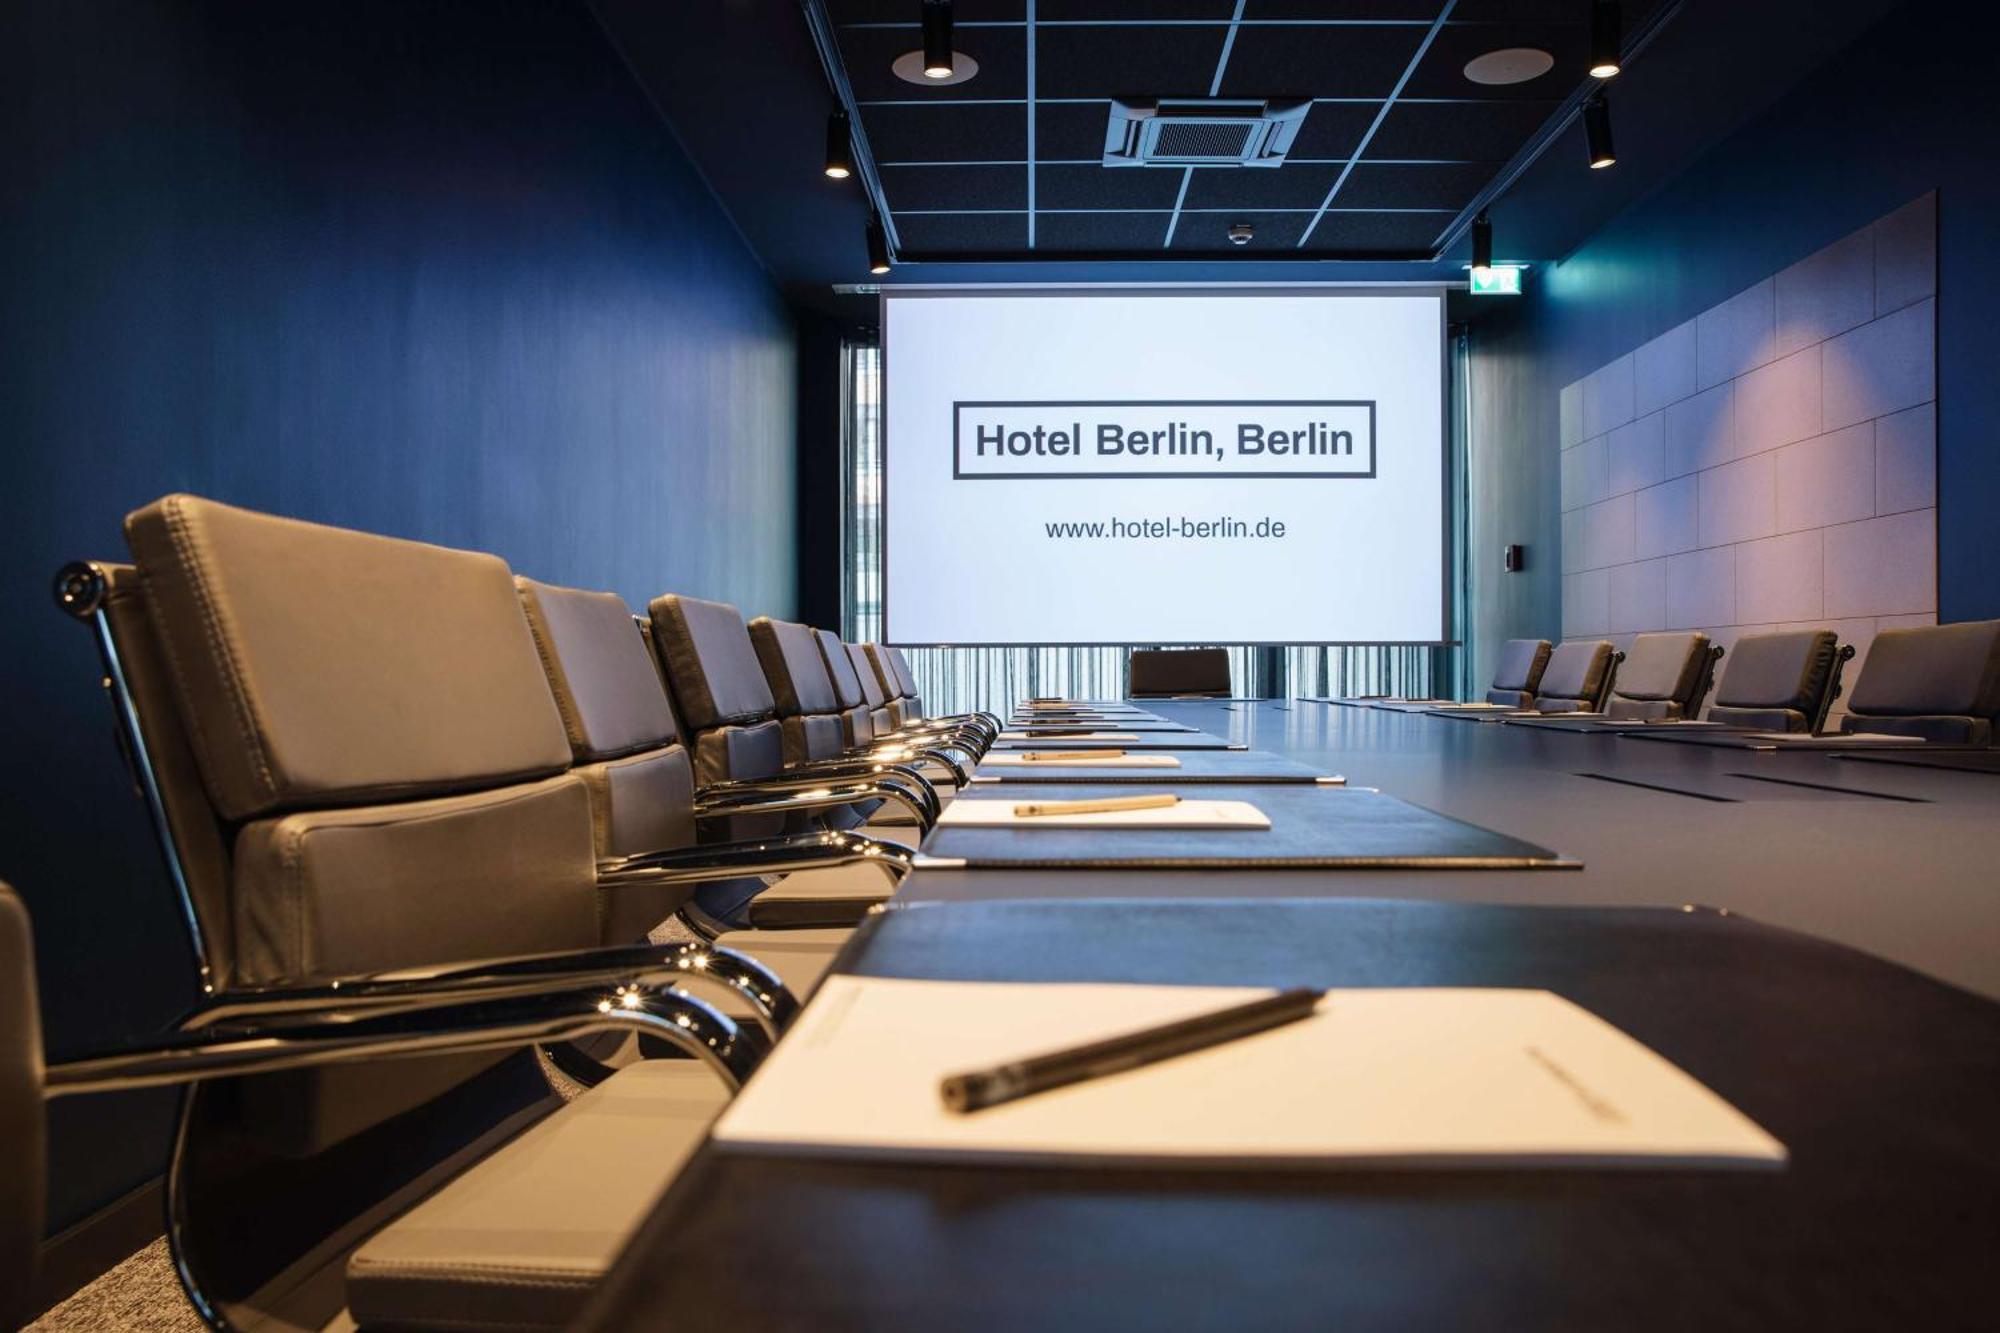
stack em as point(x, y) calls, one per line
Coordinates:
point(1077, 736)
point(1188, 814)
point(1019, 759)
point(1417, 1078)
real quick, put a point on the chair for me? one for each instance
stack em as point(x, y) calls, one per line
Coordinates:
point(711, 667)
point(1518, 674)
point(360, 781)
point(1780, 682)
point(1578, 676)
point(892, 670)
point(1936, 682)
point(1663, 677)
point(625, 744)
point(812, 712)
point(1179, 673)
point(461, 1280)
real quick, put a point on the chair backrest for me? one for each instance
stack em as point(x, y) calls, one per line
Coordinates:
point(1941, 682)
point(724, 699)
point(22, 1126)
point(623, 740)
point(809, 709)
point(1164, 672)
point(374, 771)
point(857, 717)
point(1517, 675)
point(1662, 676)
point(899, 663)
point(883, 713)
point(1576, 676)
point(1778, 682)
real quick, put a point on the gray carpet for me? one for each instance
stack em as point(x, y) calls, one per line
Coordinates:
point(141, 1293)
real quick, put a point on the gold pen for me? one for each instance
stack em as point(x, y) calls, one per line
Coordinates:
point(1108, 805)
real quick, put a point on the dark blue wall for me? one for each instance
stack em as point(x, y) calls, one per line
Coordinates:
point(1900, 112)
point(434, 269)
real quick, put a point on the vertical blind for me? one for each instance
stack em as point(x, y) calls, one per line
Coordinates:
point(955, 680)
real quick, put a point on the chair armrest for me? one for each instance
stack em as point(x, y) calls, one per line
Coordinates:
point(306, 1040)
point(768, 856)
point(509, 978)
point(785, 795)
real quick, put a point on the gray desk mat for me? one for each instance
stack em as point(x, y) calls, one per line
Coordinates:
point(1747, 740)
point(1202, 766)
point(1104, 724)
point(1311, 826)
point(1148, 740)
point(1953, 761)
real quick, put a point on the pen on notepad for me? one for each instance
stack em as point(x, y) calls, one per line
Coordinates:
point(981, 1088)
point(1029, 809)
point(1048, 756)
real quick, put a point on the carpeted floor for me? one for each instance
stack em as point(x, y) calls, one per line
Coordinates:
point(142, 1295)
point(139, 1294)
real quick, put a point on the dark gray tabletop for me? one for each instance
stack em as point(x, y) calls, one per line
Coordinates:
point(1885, 1086)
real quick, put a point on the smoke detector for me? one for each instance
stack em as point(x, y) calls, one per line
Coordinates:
point(1240, 233)
point(1195, 132)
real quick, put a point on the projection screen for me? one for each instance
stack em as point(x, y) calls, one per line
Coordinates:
point(1173, 466)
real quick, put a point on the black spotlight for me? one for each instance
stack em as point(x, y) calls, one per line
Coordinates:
point(839, 156)
point(1597, 132)
point(937, 39)
point(878, 246)
point(1607, 34)
point(1482, 242)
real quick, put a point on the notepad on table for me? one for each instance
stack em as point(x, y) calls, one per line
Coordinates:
point(1184, 814)
point(1069, 735)
point(1457, 1078)
point(1109, 759)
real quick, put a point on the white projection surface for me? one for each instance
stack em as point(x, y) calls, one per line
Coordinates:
point(1164, 466)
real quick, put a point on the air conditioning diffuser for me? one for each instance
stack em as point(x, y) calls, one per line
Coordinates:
point(1192, 132)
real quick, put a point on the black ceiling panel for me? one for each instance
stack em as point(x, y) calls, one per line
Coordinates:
point(1319, 61)
point(962, 233)
point(906, 11)
point(868, 54)
point(1333, 130)
point(1209, 232)
point(1072, 131)
point(1441, 73)
point(1125, 10)
point(1126, 61)
point(1348, 11)
point(947, 133)
point(1113, 232)
point(955, 188)
point(1469, 131)
point(1413, 185)
point(1294, 186)
point(1106, 187)
point(1346, 55)
point(1348, 232)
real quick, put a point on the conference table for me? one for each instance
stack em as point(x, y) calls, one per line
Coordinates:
point(1773, 924)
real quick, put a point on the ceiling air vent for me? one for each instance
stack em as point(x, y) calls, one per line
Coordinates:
point(1195, 133)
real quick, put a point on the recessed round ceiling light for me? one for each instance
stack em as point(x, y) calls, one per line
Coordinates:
point(909, 67)
point(1516, 64)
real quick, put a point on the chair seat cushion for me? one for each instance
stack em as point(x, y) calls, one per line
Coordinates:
point(1761, 719)
point(520, 1240)
point(801, 957)
point(1942, 728)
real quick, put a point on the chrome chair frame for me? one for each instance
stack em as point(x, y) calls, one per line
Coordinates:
point(434, 1018)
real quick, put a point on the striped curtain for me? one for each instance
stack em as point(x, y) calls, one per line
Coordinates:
point(955, 680)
